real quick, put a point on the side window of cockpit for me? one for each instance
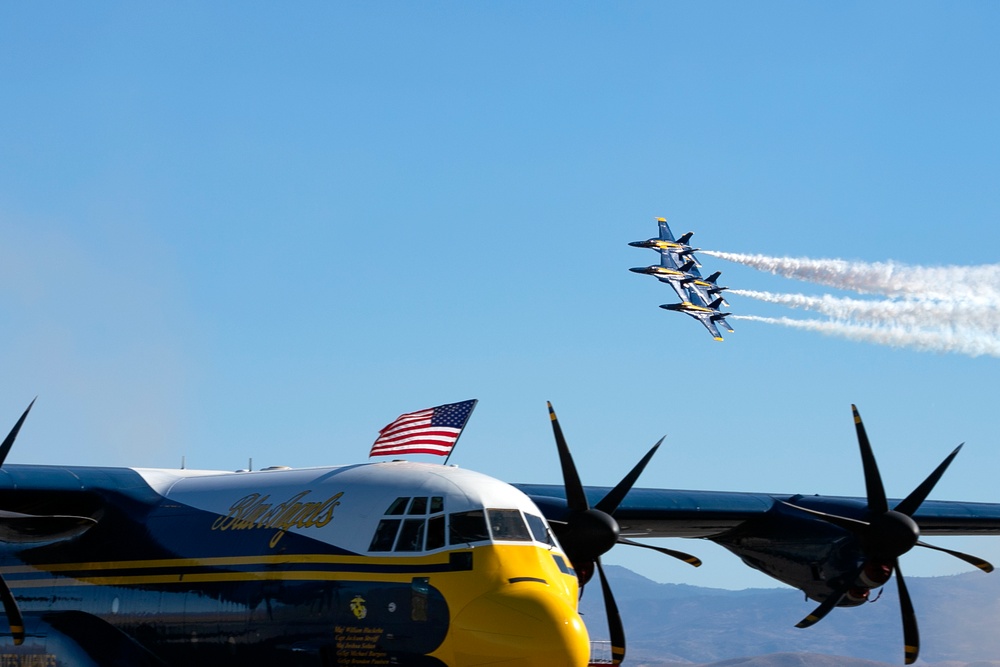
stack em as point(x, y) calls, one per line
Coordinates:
point(539, 530)
point(385, 535)
point(435, 532)
point(411, 537)
point(465, 527)
point(508, 525)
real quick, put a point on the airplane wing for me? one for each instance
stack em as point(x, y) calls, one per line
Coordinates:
point(656, 513)
point(710, 325)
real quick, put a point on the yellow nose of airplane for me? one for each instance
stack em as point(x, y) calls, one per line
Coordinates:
point(522, 624)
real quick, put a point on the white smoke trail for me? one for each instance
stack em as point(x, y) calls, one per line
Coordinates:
point(970, 343)
point(975, 284)
point(953, 315)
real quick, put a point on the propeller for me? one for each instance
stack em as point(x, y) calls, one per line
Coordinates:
point(14, 618)
point(589, 532)
point(885, 535)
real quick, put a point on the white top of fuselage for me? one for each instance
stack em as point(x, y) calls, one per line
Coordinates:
point(366, 492)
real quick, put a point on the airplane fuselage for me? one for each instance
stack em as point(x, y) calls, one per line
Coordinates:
point(388, 563)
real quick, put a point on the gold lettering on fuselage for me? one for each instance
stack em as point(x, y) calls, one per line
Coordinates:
point(358, 646)
point(27, 660)
point(255, 511)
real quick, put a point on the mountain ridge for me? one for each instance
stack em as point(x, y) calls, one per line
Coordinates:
point(681, 624)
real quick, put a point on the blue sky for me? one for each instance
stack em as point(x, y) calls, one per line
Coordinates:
point(236, 230)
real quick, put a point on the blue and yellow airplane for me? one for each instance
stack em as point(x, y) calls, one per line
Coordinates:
point(397, 563)
point(706, 313)
point(667, 243)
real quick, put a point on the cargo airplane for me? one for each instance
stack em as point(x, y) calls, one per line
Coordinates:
point(397, 563)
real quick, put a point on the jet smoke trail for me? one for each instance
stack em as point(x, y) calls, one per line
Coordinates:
point(941, 308)
point(937, 341)
point(978, 284)
point(952, 314)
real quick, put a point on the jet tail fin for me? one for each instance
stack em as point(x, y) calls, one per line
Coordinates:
point(665, 233)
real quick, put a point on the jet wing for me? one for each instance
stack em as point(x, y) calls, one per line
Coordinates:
point(710, 325)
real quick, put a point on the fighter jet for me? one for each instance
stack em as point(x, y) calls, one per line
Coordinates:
point(706, 313)
point(666, 243)
point(683, 276)
point(676, 276)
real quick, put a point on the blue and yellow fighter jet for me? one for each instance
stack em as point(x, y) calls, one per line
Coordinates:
point(706, 313)
point(667, 242)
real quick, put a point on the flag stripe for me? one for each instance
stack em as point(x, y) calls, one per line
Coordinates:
point(442, 436)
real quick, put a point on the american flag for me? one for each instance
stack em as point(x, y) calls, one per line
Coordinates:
point(430, 431)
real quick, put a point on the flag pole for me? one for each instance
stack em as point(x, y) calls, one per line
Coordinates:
point(475, 402)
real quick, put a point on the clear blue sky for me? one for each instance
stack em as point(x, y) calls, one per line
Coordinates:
point(247, 229)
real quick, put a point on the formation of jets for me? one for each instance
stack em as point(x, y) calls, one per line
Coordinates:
point(700, 297)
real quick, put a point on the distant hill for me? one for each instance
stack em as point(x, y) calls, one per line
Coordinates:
point(671, 624)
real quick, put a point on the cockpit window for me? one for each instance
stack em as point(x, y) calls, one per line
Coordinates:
point(508, 525)
point(539, 530)
point(435, 532)
point(465, 527)
point(418, 506)
point(398, 506)
point(419, 533)
point(411, 537)
point(385, 535)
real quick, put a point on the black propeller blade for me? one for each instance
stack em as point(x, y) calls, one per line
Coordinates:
point(971, 560)
point(679, 555)
point(911, 636)
point(10, 607)
point(616, 630)
point(886, 535)
point(589, 532)
point(13, 613)
point(821, 611)
point(8, 442)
